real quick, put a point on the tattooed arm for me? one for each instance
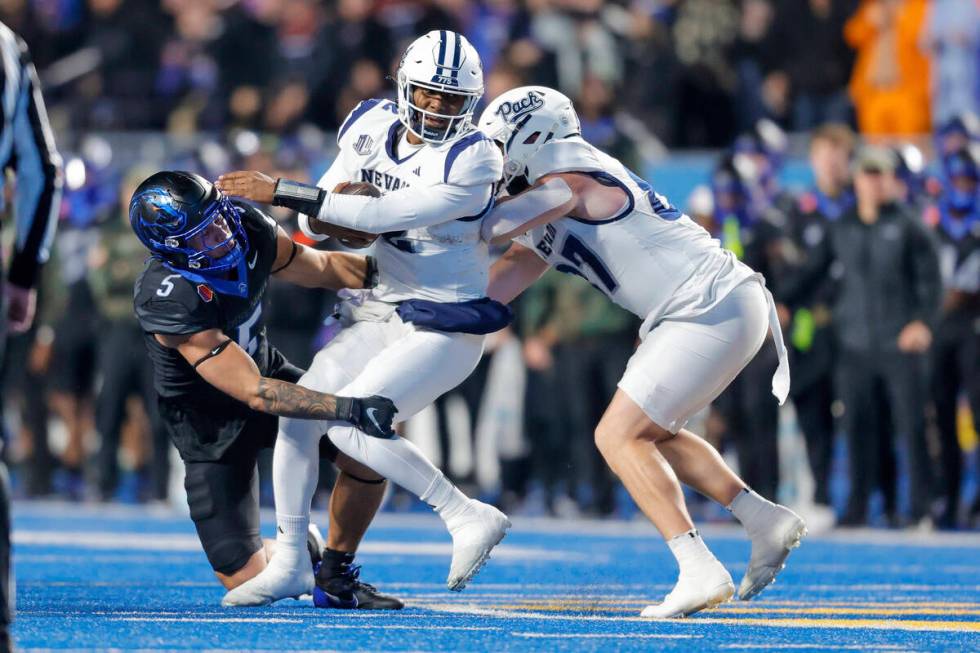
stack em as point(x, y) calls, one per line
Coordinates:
point(226, 366)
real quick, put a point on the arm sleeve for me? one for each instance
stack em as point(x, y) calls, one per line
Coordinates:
point(407, 208)
point(473, 165)
point(38, 168)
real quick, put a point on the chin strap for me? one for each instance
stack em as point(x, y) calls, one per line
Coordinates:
point(237, 286)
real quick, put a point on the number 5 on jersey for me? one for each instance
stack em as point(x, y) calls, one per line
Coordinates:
point(246, 339)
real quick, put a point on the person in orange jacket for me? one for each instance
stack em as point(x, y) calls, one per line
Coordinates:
point(890, 81)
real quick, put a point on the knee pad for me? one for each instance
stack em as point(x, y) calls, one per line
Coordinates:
point(229, 553)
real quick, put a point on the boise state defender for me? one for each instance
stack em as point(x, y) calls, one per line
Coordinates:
point(220, 382)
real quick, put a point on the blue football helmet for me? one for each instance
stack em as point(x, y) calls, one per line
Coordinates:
point(735, 188)
point(961, 187)
point(171, 210)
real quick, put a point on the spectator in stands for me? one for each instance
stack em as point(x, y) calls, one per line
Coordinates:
point(579, 41)
point(890, 81)
point(119, 93)
point(69, 360)
point(546, 422)
point(125, 373)
point(763, 85)
point(951, 38)
point(884, 315)
point(819, 71)
point(595, 110)
point(703, 91)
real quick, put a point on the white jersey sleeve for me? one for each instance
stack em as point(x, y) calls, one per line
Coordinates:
point(565, 155)
point(472, 160)
point(473, 165)
point(342, 168)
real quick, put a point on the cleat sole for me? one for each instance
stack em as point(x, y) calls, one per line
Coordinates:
point(791, 540)
point(460, 584)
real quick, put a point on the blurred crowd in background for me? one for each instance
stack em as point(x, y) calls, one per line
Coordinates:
point(879, 99)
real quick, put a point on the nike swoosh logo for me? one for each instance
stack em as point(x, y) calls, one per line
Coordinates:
point(374, 420)
point(251, 264)
point(338, 602)
point(216, 350)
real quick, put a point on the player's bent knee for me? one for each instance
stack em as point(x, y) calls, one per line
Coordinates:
point(607, 438)
point(231, 553)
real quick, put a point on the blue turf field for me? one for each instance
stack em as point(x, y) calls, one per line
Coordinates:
point(131, 578)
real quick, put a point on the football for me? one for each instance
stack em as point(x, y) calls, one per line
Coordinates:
point(350, 237)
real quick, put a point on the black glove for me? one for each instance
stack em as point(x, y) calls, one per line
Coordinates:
point(373, 415)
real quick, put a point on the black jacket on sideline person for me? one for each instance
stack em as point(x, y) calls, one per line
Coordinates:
point(886, 273)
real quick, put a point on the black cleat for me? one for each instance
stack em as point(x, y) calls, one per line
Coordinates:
point(342, 589)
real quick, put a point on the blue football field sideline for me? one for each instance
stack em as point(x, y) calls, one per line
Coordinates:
point(93, 577)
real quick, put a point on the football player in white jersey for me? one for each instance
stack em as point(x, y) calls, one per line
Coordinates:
point(705, 317)
point(419, 332)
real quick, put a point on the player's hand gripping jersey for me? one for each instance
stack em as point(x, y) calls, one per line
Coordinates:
point(433, 198)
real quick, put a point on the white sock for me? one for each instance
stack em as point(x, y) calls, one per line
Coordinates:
point(750, 508)
point(291, 532)
point(445, 498)
point(295, 469)
point(690, 550)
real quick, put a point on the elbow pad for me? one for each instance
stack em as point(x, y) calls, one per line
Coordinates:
point(512, 216)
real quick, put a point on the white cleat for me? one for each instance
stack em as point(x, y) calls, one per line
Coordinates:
point(704, 588)
point(272, 584)
point(476, 530)
point(771, 545)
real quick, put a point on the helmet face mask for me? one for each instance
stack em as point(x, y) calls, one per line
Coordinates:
point(191, 227)
point(441, 62)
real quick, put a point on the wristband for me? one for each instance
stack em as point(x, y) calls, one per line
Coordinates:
point(302, 198)
point(371, 273)
point(345, 409)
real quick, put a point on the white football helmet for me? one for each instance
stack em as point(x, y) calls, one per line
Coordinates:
point(524, 119)
point(442, 61)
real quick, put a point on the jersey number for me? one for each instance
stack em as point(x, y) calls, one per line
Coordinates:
point(580, 256)
point(167, 286)
point(246, 340)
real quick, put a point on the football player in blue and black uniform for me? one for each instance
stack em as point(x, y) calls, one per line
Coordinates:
point(956, 350)
point(221, 384)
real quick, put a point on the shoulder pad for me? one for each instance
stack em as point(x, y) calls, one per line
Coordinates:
point(564, 155)
point(168, 303)
point(473, 159)
point(385, 108)
point(254, 218)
